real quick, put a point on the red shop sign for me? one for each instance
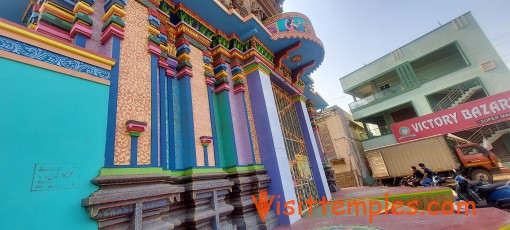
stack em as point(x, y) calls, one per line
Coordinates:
point(484, 111)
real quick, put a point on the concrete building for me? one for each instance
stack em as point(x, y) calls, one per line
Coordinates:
point(341, 141)
point(449, 66)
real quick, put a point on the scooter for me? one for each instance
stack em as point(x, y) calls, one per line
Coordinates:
point(482, 193)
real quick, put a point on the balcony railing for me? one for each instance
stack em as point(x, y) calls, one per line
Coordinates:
point(378, 97)
point(374, 133)
point(456, 93)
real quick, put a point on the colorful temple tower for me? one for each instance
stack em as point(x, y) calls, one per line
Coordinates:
point(187, 109)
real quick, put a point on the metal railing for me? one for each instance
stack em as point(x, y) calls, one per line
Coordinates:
point(456, 92)
point(374, 133)
point(487, 131)
point(392, 91)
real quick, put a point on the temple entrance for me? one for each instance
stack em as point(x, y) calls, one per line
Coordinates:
point(299, 163)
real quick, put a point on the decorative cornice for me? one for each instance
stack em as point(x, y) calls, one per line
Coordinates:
point(15, 32)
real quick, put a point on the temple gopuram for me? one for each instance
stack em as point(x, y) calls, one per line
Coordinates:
point(157, 114)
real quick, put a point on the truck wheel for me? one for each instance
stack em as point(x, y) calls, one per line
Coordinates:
point(481, 173)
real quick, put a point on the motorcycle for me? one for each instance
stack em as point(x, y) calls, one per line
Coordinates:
point(437, 180)
point(482, 193)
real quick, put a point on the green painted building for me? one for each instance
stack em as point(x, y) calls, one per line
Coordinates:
point(449, 66)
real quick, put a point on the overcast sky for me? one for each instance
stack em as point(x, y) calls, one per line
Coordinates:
point(355, 32)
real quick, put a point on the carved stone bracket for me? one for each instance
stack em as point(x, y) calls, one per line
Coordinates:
point(134, 201)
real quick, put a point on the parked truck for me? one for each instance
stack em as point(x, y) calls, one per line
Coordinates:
point(440, 153)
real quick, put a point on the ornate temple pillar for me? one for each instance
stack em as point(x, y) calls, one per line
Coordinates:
point(171, 111)
point(311, 147)
point(270, 137)
point(113, 34)
point(155, 52)
point(244, 145)
point(82, 23)
point(186, 158)
point(226, 137)
point(210, 81)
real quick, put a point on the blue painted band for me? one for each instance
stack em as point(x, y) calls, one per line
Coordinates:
point(134, 151)
point(187, 124)
point(154, 110)
point(112, 105)
point(172, 139)
point(36, 53)
point(80, 40)
point(206, 157)
point(163, 141)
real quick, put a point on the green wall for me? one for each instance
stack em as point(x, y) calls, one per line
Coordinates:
point(52, 119)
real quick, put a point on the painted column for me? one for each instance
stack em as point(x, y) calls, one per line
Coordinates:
point(82, 23)
point(271, 144)
point(184, 73)
point(112, 35)
point(205, 143)
point(311, 108)
point(210, 81)
point(223, 116)
point(319, 145)
point(244, 145)
point(135, 128)
point(311, 147)
point(155, 52)
point(163, 118)
point(172, 110)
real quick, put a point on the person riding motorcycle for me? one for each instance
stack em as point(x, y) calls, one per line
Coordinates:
point(414, 179)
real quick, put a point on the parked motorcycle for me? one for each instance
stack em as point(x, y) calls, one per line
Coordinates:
point(482, 193)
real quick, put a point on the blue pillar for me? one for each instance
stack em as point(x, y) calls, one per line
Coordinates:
point(112, 104)
point(154, 110)
point(271, 143)
point(134, 150)
point(184, 74)
point(311, 147)
point(163, 141)
point(169, 159)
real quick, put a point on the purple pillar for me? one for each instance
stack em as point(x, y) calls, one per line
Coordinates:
point(239, 118)
point(311, 147)
point(319, 146)
point(272, 147)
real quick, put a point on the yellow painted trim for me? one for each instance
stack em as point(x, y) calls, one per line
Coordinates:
point(114, 10)
point(479, 163)
point(153, 30)
point(44, 65)
point(56, 44)
point(48, 7)
point(83, 7)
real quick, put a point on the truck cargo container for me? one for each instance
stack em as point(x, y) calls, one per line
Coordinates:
point(440, 153)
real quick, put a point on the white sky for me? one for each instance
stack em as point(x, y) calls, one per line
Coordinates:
point(355, 32)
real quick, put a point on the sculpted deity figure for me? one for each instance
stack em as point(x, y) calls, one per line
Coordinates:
point(256, 9)
point(227, 3)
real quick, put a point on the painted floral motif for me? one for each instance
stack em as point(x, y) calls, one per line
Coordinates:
point(134, 100)
point(26, 50)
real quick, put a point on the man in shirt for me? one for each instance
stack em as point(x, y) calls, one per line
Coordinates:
point(427, 177)
point(415, 178)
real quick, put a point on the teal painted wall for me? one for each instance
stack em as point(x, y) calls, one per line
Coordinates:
point(51, 118)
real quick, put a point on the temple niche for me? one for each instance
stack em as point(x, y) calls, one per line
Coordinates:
point(262, 9)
